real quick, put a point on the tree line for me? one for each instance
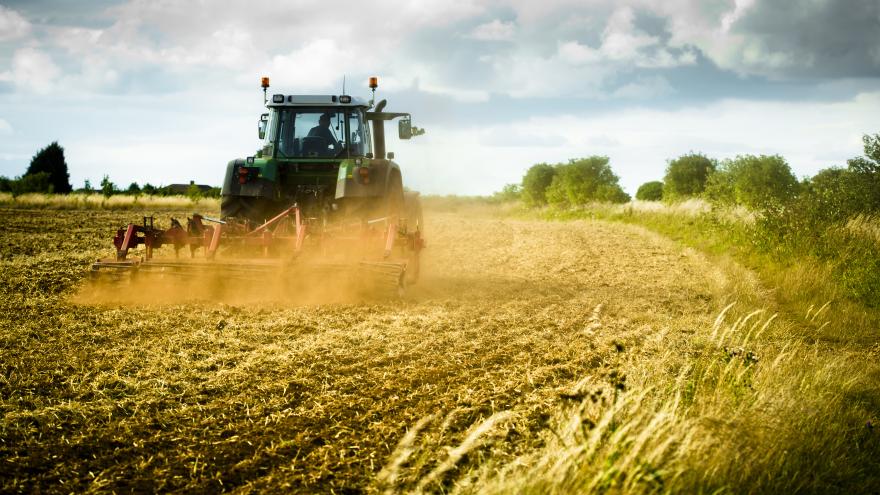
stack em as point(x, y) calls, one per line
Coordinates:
point(47, 173)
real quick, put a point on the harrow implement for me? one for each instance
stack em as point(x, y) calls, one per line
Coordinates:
point(379, 255)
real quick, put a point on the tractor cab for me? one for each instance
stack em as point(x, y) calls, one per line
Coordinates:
point(315, 126)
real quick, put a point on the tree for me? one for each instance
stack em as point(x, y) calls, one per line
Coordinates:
point(535, 184)
point(51, 161)
point(583, 181)
point(133, 189)
point(149, 189)
point(650, 191)
point(108, 188)
point(87, 187)
point(753, 181)
point(687, 175)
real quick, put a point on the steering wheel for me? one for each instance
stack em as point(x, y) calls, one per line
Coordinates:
point(314, 144)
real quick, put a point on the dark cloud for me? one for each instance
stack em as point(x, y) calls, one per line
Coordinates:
point(828, 39)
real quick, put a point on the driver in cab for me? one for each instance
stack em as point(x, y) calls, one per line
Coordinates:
point(322, 130)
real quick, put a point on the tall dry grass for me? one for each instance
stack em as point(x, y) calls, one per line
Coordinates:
point(78, 201)
point(866, 226)
point(744, 407)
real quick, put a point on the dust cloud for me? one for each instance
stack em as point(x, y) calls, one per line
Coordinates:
point(303, 283)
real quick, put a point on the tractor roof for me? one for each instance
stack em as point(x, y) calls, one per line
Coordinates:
point(280, 100)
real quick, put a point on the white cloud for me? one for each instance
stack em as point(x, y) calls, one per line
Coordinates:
point(12, 25)
point(5, 127)
point(32, 71)
point(314, 66)
point(644, 88)
point(495, 30)
point(621, 40)
point(578, 54)
point(622, 43)
point(739, 8)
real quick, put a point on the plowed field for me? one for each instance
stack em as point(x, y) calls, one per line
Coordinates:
point(210, 396)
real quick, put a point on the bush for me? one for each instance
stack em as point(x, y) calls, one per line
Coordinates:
point(866, 174)
point(753, 181)
point(194, 193)
point(650, 191)
point(535, 184)
point(584, 181)
point(50, 160)
point(812, 219)
point(510, 192)
point(687, 176)
point(30, 183)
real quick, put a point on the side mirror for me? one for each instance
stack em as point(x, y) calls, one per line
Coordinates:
point(261, 126)
point(404, 128)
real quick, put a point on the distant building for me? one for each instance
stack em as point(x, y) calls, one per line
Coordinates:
point(184, 188)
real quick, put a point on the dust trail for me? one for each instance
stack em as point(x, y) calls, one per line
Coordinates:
point(303, 284)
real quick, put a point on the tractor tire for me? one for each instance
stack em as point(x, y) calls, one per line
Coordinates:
point(415, 226)
point(412, 207)
point(256, 210)
point(393, 203)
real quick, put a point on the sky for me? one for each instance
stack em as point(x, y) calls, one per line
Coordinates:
point(167, 91)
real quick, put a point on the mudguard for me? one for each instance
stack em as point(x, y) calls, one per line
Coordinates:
point(262, 186)
point(349, 183)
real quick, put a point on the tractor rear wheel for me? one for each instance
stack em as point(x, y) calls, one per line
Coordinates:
point(415, 225)
point(257, 210)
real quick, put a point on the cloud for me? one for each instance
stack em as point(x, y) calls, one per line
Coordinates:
point(12, 25)
point(624, 44)
point(644, 88)
point(495, 30)
point(550, 49)
point(781, 38)
point(313, 66)
point(5, 127)
point(32, 71)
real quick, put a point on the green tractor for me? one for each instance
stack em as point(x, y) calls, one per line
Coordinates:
point(321, 194)
point(326, 154)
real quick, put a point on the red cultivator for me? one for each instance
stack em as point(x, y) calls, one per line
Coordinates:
point(382, 252)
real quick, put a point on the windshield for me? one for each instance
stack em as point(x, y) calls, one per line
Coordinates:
point(319, 132)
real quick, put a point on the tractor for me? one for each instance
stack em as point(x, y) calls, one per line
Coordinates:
point(321, 187)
